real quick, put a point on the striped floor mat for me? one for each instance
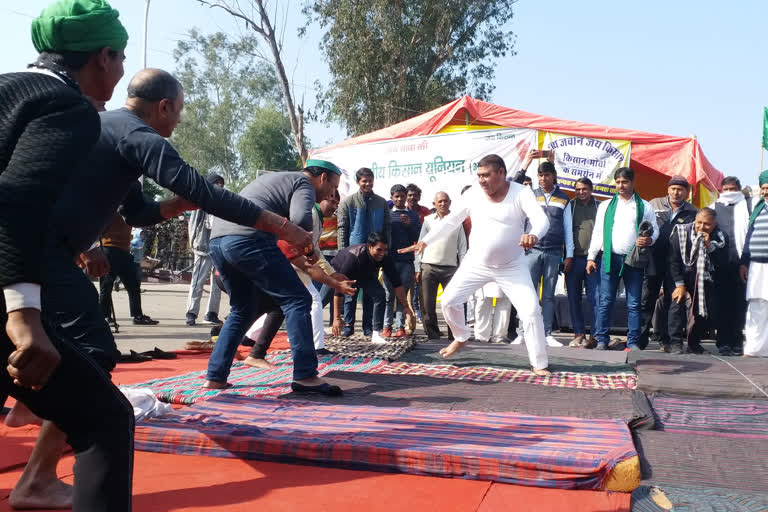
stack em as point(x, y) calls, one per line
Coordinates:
point(557, 379)
point(691, 499)
point(187, 389)
point(712, 416)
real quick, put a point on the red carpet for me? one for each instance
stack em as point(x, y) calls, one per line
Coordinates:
point(171, 483)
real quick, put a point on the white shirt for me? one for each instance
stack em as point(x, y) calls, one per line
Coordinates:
point(624, 234)
point(496, 227)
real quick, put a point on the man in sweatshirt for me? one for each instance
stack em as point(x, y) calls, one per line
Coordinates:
point(199, 230)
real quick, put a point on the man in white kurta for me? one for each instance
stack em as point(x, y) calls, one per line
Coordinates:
point(496, 254)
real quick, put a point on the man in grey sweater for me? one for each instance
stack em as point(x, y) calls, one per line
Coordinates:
point(250, 263)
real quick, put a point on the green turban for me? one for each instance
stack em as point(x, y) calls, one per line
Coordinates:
point(763, 179)
point(78, 26)
point(325, 164)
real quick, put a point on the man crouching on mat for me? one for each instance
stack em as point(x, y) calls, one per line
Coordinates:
point(250, 263)
point(498, 214)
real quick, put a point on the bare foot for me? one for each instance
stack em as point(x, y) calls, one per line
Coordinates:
point(45, 495)
point(258, 363)
point(212, 384)
point(239, 356)
point(20, 415)
point(451, 349)
point(541, 372)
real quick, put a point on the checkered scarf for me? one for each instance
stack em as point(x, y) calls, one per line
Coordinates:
point(698, 256)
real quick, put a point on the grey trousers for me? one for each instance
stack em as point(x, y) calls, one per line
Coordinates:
point(202, 272)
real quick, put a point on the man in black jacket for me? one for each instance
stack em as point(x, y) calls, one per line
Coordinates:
point(671, 210)
point(47, 127)
point(696, 252)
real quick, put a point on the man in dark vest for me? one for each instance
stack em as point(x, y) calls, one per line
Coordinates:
point(579, 220)
point(545, 257)
point(671, 210)
point(733, 211)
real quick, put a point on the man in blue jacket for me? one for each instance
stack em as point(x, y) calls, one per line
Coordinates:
point(359, 215)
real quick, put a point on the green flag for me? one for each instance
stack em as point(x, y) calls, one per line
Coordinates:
point(765, 127)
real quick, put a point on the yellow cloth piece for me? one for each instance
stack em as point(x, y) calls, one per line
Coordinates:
point(624, 477)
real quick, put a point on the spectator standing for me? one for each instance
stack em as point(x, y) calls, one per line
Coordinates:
point(754, 271)
point(696, 251)
point(405, 232)
point(615, 235)
point(359, 215)
point(116, 245)
point(414, 196)
point(671, 210)
point(579, 222)
point(733, 210)
point(438, 263)
point(199, 229)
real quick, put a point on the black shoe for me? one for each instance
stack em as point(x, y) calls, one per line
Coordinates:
point(697, 349)
point(191, 317)
point(144, 320)
point(324, 352)
point(323, 389)
point(212, 318)
point(738, 351)
point(676, 350)
point(725, 351)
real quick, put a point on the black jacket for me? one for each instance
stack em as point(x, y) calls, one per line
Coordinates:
point(686, 275)
point(356, 263)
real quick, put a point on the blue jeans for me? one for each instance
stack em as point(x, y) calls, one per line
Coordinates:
point(609, 285)
point(247, 266)
point(373, 292)
point(405, 271)
point(545, 264)
point(575, 281)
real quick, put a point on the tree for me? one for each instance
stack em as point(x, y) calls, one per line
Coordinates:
point(256, 18)
point(226, 91)
point(266, 143)
point(393, 59)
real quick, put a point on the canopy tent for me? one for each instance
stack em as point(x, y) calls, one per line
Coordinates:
point(654, 157)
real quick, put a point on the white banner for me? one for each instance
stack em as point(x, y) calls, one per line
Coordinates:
point(436, 163)
point(596, 159)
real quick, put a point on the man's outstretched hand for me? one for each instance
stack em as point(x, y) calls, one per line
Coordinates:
point(93, 262)
point(528, 241)
point(418, 247)
point(296, 236)
point(35, 358)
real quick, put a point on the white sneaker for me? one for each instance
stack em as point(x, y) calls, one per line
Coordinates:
point(552, 342)
point(377, 338)
point(518, 341)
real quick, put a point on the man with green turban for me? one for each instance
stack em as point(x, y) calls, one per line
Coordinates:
point(48, 126)
point(754, 270)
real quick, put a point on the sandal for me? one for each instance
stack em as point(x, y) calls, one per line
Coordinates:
point(134, 357)
point(323, 389)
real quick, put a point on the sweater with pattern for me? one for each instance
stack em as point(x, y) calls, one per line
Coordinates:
point(47, 129)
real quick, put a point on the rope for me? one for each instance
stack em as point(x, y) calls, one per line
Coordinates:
point(748, 379)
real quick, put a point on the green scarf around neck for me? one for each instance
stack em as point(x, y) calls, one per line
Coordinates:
point(610, 214)
point(756, 211)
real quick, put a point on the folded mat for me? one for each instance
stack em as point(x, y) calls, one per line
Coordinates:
point(418, 391)
point(711, 416)
point(565, 453)
point(692, 499)
point(686, 460)
point(485, 374)
point(187, 389)
point(508, 357)
point(359, 345)
point(708, 375)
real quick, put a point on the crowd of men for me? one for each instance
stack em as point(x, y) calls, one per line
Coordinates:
point(69, 179)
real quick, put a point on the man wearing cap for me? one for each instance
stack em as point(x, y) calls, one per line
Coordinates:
point(754, 271)
point(671, 210)
point(250, 263)
point(199, 229)
point(46, 130)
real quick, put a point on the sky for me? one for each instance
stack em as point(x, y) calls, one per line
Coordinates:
point(681, 67)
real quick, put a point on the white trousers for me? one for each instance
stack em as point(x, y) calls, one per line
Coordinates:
point(756, 329)
point(316, 313)
point(490, 321)
point(514, 280)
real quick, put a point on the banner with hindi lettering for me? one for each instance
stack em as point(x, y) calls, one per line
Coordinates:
point(577, 157)
point(444, 162)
